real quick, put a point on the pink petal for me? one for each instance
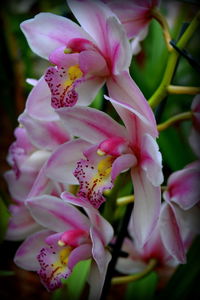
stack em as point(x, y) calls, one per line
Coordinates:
point(134, 15)
point(183, 186)
point(98, 270)
point(92, 62)
point(122, 164)
point(21, 224)
point(170, 233)
point(44, 134)
point(38, 104)
point(63, 161)
point(90, 124)
point(59, 58)
point(52, 213)
point(119, 51)
point(88, 89)
point(102, 225)
point(126, 94)
point(26, 255)
point(189, 223)
point(152, 160)
point(20, 188)
point(47, 31)
point(146, 207)
point(82, 252)
point(92, 15)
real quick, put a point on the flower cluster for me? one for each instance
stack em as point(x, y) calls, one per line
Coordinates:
point(67, 154)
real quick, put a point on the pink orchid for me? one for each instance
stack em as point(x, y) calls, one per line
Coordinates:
point(111, 150)
point(35, 142)
point(172, 236)
point(69, 237)
point(195, 132)
point(180, 219)
point(135, 15)
point(84, 56)
point(26, 161)
point(139, 257)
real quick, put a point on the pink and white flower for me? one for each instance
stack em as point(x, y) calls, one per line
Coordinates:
point(135, 15)
point(69, 237)
point(34, 144)
point(111, 150)
point(84, 56)
point(180, 219)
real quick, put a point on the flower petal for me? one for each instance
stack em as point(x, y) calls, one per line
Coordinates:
point(20, 188)
point(183, 186)
point(122, 164)
point(124, 92)
point(38, 104)
point(90, 124)
point(63, 161)
point(46, 32)
point(146, 207)
point(170, 233)
point(152, 160)
point(92, 15)
point(52, 213)
point(21, 224)
point(98, 271)
point(82, 252)
point(102, 225)
point(44, 134)
point(26, 255)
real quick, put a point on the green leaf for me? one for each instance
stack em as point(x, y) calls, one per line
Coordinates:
point(175, 149)
point(7, 273)
point(77, 280)
point(143, 289)
point(4, 215)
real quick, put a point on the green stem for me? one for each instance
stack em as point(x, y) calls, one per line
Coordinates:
point(165, 27)
point(162, 91)
point(186, 90)
point(175, 119)
point(134, 277)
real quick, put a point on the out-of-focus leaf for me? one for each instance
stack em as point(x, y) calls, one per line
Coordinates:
point(175, 149)
point(79, 275)
point(148, 67)
point(97, 103)
point(7, 273)
point(4, 215)
point(184, 284)
point(143, 289)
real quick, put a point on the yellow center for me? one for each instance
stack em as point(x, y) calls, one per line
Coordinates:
point(60, 264)
point(74, 72)
point(105, 166)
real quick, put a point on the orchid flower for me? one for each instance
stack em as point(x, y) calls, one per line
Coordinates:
point(110, 150)
point(35, 141)
point(135, 15)
point(139, 257)
point(84, 56)
point(180, 219)
point(69, 237)
point(178, 224)
point(195, 132)
point(26, 161)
